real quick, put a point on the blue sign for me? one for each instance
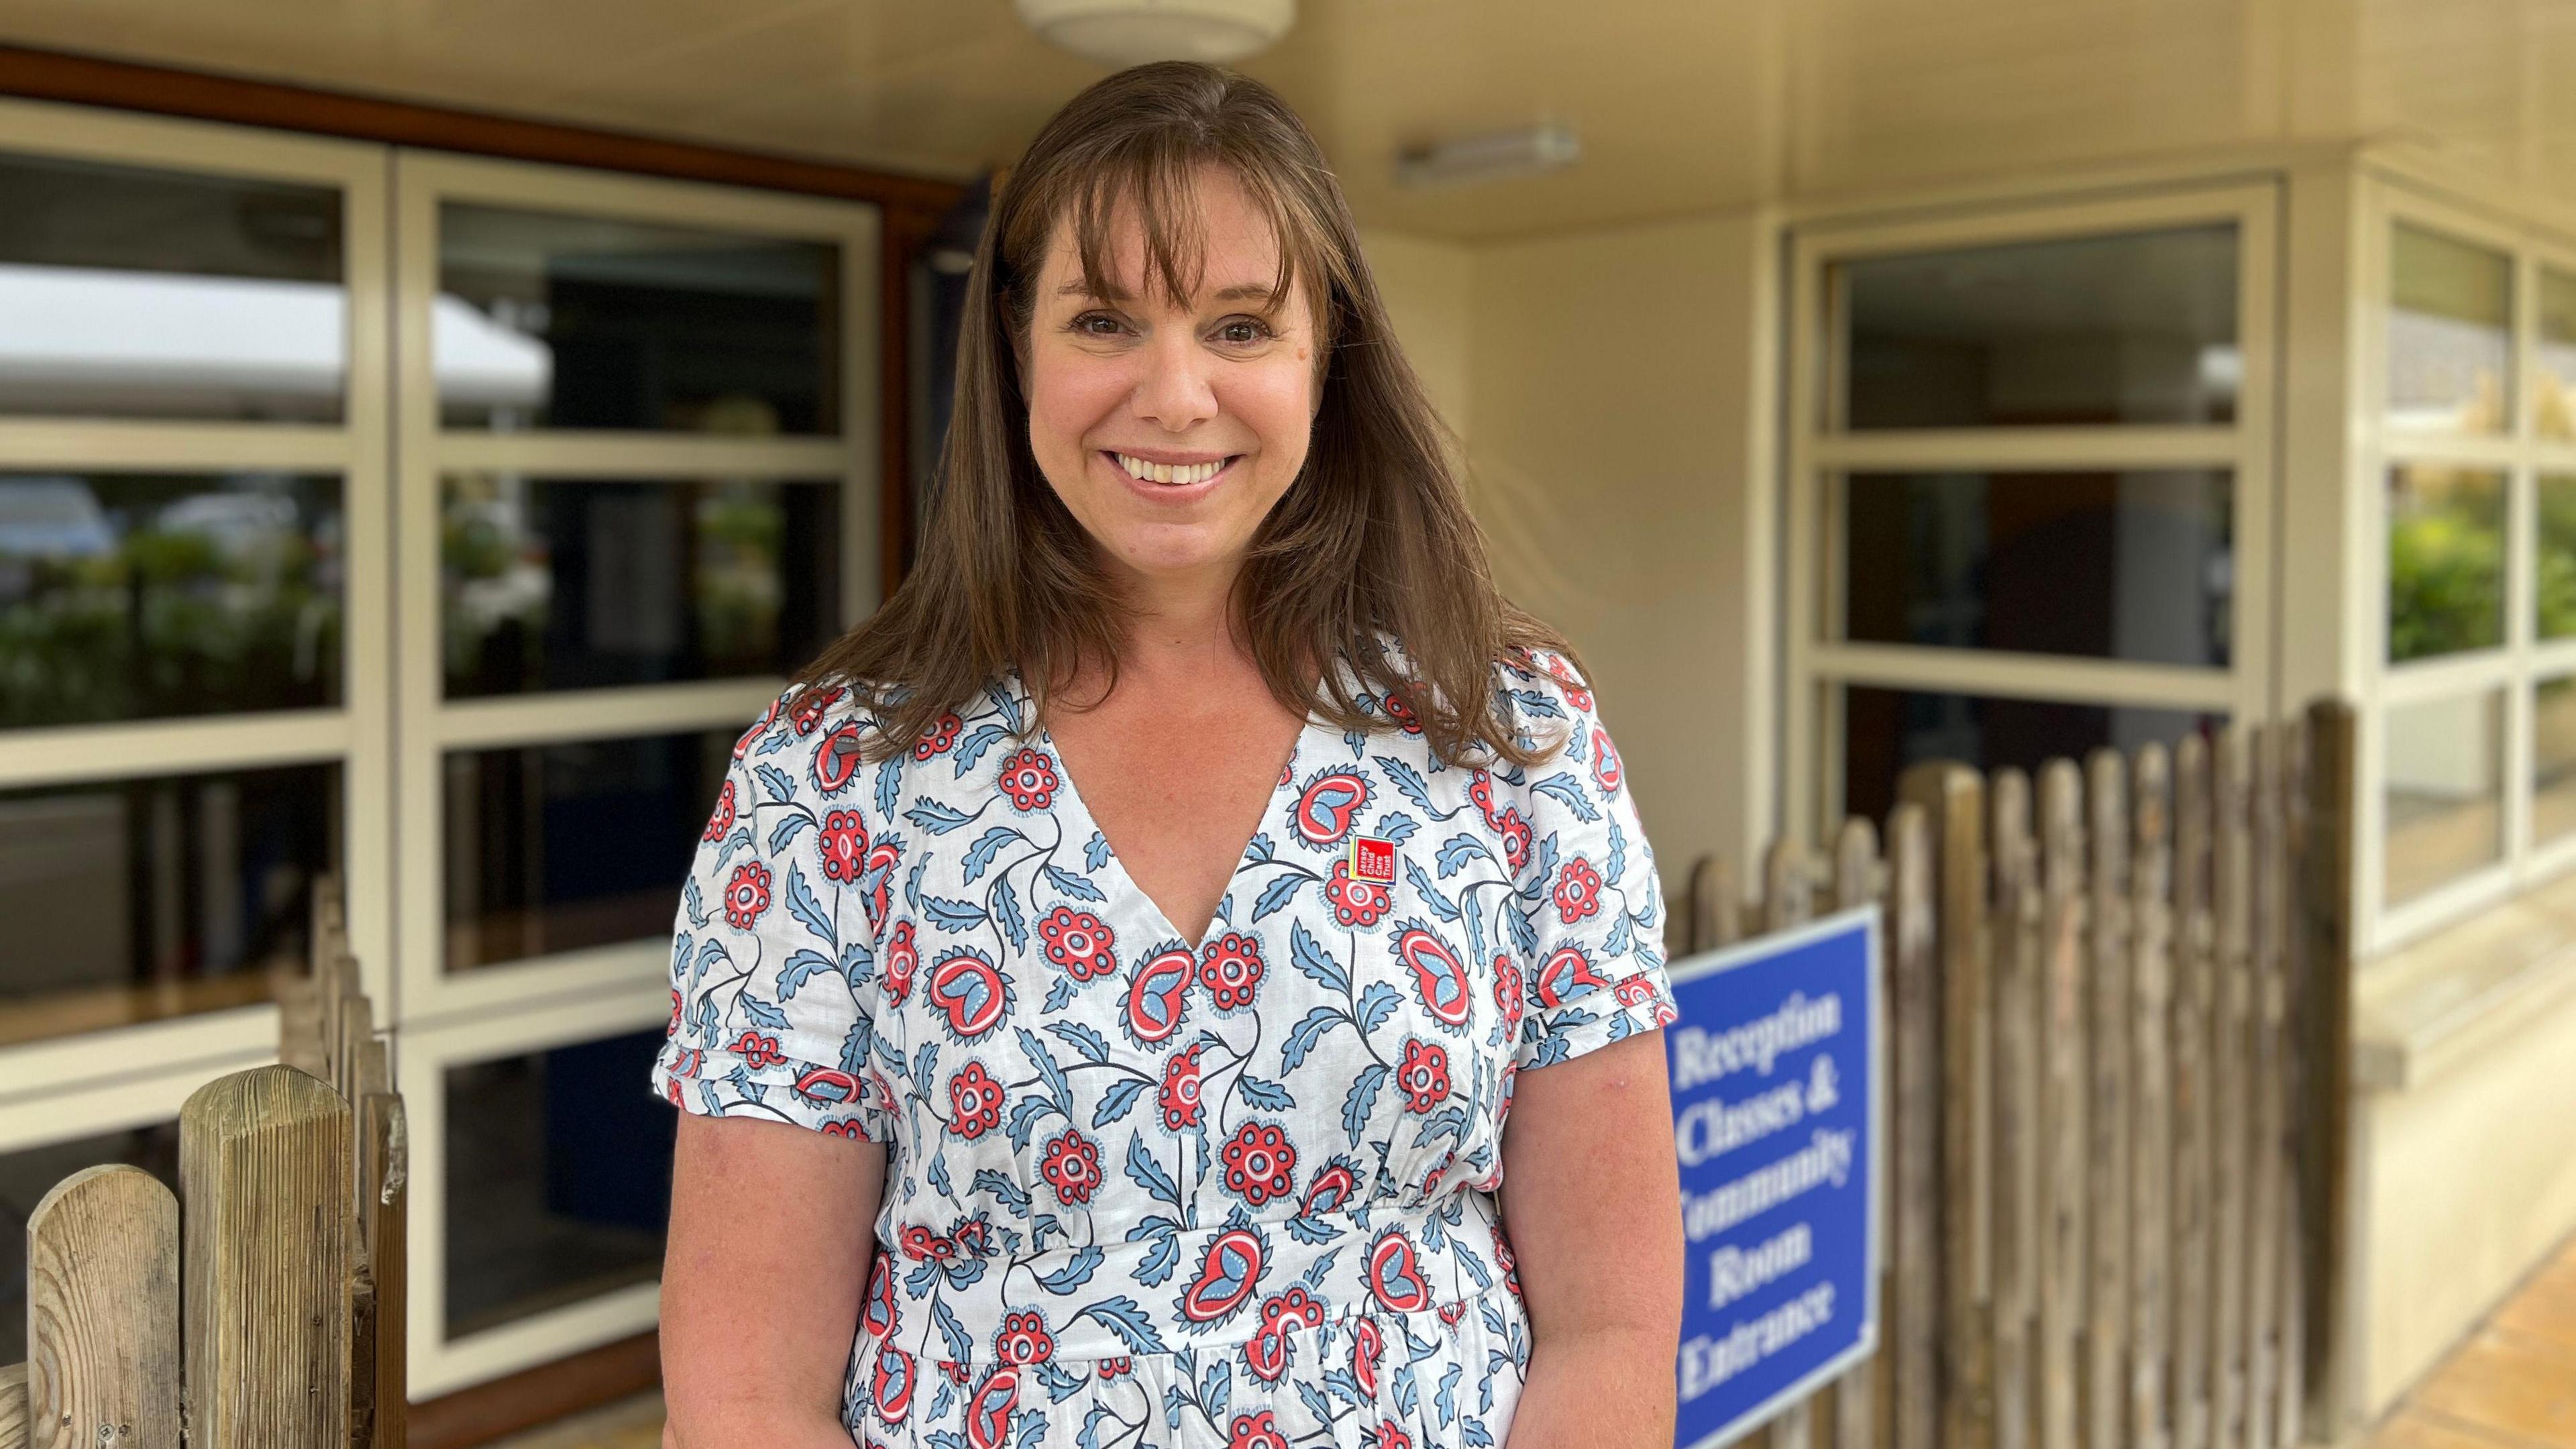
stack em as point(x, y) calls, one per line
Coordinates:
point(1776, 1071)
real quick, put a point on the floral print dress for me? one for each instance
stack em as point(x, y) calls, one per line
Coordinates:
point(1141, 1195)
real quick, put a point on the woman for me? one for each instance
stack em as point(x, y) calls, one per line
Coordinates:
point(1169, 1107)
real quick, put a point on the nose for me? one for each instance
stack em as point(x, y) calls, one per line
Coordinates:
point(1176, 387)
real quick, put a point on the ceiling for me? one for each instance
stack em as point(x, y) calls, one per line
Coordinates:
point(1683, 106)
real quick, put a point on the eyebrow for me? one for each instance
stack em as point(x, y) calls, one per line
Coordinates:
point(1241, 291)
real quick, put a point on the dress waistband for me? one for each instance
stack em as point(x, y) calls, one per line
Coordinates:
point(1168, 1287)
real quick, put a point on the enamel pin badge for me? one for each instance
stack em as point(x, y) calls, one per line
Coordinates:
point(1372, 860)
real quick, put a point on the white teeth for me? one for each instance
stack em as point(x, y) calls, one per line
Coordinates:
point(1177, 474)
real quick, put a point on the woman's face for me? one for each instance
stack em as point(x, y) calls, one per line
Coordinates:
point(1170, 429)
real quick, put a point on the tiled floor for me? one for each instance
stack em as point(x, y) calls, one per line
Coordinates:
point(2511, 1386)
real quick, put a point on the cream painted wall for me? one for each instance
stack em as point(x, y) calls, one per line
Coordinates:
point(1428, 293)
point(1614, 455)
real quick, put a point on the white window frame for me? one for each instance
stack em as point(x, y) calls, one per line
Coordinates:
point(438, 1364)
point(571, 996)
point(49, 1089)
point(432, 726)
point(2388, 199)
point(1818, 664)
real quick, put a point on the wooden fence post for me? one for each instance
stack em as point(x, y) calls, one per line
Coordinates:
point(2195, 991)
point(2325, 1053)
point(2062, 1259)
point(2017, 957)
point(2107, 995)
point(1855, 1395)
point(1954, 795)
point(2232, 895)
point(2151, 1094)
point(103, 1313)
point(1913, 1346)
point(264, 1174)
point(2270, 939)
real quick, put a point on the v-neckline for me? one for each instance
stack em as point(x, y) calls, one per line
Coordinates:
point(1070, 795)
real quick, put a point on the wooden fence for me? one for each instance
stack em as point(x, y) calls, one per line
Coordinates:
point(2118, 1018)
point(262, 1306)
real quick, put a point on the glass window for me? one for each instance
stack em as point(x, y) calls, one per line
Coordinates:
point(2553, 760)
point(1886, 731)
point(2136, 328)
point(140, 293)
point(2132, 566)
point(150, 596)
point(2444, 763)
point(29, 1173)
point(2553, 393)
point(2450, 335)
point(2445, 560)
point(566, 585)
point(558, 1179)
point(2554, 578)
point(140, 899)
point(560, 847)
point(554, 321)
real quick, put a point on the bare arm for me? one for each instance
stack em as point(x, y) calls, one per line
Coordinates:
point(772, 1233)
point(1592, 1201)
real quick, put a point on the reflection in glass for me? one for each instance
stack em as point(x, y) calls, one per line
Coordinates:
point(149, 596)
point(136, 900)
point(139, 293)
point(2553, 760)
point(2554, 572)
point(2445, 560)
point(2445, 791)
point(560, 847)
point(1885, 731)
point(2138, 327)
point(575, 584)
point(553, 321)
point(29, 1173)
point(2133, 566)
point(558, 1179)
point(2553, 392)
point(2450, 335)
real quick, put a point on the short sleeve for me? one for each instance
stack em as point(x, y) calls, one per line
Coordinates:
point(1589, 901)
point(773, 962)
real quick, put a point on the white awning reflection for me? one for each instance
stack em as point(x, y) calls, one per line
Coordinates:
point(74, 338)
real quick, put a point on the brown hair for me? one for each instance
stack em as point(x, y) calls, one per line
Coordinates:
point(1374, 535)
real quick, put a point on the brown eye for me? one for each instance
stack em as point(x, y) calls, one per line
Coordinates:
point(1251, 331)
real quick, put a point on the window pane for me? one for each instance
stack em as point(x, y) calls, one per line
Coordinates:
point(2133, 328)
point(139, 293)
point(149, 596)
point(1887, 730)
point(141, 899)
point(554, 321)
point(2450, 335)
point(2553, 394)
point(560, 847)
point(28, 1174)
point(2445, 803)
point(2445, 560)
point(2133, 566)
point(569, 585)
point(2553, 760)
point(2554, 578)
point(558, 1179)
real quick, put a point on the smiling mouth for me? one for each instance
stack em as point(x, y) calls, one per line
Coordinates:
point(1170, 475)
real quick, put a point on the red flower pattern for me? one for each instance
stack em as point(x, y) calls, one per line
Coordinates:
point(845, 845)
point(722, 820)
point(1179, 1097)
point(942, 735)
point(1024, 1338)
point(975, 1101)
point(1260, 1163)
point(1029, 778)
point(757, 1051)
point(1355, 902)
point(1231, 970)
point(1578, 890)
point(1072, 1166)
point(1255, 1431)
point(746, 895)
point(810, 710)
point(1078, 941)
point(902, 958)
point(1424, 1075)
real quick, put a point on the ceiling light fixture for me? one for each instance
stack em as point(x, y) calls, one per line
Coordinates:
point(1132, 32)
point(1530, 151)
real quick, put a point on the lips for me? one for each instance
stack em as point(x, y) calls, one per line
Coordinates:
point(1173, 493)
